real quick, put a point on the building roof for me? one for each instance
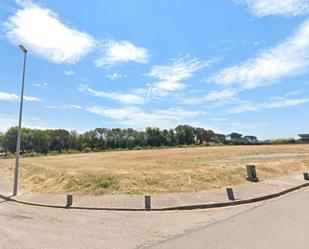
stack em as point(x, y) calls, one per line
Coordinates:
point(304, 136)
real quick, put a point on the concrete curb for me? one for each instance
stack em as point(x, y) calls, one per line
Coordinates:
point(187, 207)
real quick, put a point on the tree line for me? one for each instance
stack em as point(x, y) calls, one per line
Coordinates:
point(100, 139)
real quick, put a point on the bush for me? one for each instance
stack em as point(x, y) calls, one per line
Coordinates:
point(87, 150)
point(8, 156)
point(283, 141)
point(53, 153)
point(137, 148)
point(71, 151)
point(32, 154)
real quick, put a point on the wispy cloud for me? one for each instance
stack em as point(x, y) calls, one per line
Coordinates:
point(14, 97)
point(119, 52)
point(224, 94)
point(8, 96)
point(62, 106)
point(139, 119)
point(7, 121)
point(261, 8)
point(7, 8)
point(42, 85)
point(171, 77)
point(293, 93)
point(41, 30)
point(275, 102)
point(69, 73)
point(126, 98)
point(115, 76)
point(289, 58)
point(32, 99)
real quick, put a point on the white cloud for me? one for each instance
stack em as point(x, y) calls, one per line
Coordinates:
point(170, 77)
point(276, 102)
point(62, 106)
point(118, 52)
point(115, 76)
point(75, 106)
point(192, 100)
point(14, 97)
point(179, 69)
point(42, 85)
point(8, 96)
point(168, 86)
point(6, 123)
point(69, 73)
point(139, 119)
point(30, 122)
point(33, 99)
point(261, 8)
point(224, 94)
point(287, 59)
point(293, 93)
point(42, 32)
point(126, 98)
point(220, 97)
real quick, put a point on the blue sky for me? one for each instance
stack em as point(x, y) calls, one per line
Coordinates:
point(227, 65)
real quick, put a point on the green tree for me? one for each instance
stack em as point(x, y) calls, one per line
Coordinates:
point(219, 138)
point(59, 140)
point(10, 140)
point(236, 138)
point(2, 136)
point(153, 136)
point(251, 140)
point(185, 134)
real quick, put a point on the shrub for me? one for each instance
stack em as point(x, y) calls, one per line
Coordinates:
point(283, 141)
point(87, 150)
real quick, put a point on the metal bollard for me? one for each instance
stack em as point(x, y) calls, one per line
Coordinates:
point(251, 173)
point(306, 176)
point(230, 194)
point(148, 202)
point(69, 201)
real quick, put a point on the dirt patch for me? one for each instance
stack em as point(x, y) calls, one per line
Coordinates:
point(156, 171)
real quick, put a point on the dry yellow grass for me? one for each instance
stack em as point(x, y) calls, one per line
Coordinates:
point(156, 171)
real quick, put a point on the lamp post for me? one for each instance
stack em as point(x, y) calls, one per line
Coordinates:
point(24, 50)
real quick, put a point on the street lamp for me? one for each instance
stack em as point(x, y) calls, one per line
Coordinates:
point(24, 50)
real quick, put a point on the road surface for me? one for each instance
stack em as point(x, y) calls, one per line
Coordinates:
point(28, 227)
point(281, 223)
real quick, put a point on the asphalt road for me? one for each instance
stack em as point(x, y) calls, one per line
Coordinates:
point(281, 223)
point(28, 227)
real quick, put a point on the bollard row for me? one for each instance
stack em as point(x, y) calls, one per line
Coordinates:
point(251, 176)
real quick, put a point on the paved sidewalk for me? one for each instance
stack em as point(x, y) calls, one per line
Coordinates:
point(242, 192)
point(5, 186)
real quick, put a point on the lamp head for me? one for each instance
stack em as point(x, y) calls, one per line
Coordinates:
point(23, 48)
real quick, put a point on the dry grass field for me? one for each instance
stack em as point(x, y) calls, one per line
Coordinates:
point(156, 171)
